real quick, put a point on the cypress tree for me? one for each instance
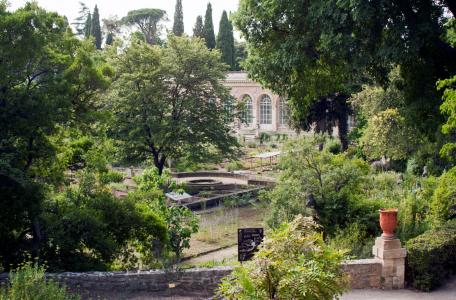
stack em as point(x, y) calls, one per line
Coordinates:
point(95, 29)
point(208, 28)
point(88, 26)
point(109, 38)
point(198, 29)
point(225, 41)
point(178, 26)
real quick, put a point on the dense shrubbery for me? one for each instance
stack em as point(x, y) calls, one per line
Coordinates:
point(28, 282)
point(293, 263)
point(431, 257)
point(443, 205)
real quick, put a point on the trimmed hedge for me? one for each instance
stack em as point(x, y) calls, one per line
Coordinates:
point(431, 257)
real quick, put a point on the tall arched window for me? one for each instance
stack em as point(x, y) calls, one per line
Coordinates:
point(265, 110)
point(247, 114)
point(283, 111)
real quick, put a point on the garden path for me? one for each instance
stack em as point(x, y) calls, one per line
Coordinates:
point(446, 292)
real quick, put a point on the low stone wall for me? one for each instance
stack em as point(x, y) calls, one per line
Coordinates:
point(364, 273)
point(197, 282)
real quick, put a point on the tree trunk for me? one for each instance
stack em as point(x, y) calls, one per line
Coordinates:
point(36, 241)
point(159, 162)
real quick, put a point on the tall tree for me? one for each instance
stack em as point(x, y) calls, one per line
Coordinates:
point(317, 48)
point(225, 41)
point(164, 102)
point(147, 20)
point(50, 82)
point(198, 29)
point(80, 22)
point(208, 28)
point(178, 26)
point(88, 26)
point(95, 29)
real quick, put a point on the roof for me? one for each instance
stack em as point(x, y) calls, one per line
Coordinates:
point(237, 76)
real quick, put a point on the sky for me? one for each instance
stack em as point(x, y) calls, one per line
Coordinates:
point(107, 8)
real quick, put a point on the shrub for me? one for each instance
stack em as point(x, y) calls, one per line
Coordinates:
point(234, 165)
point(333, 146)
point(431, 257)
point(353, 239)
point(293, 263)
point(111, 176)
point(28, 282)
point(444, 198)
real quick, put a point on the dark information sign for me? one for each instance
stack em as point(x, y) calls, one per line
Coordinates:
point(248, 241)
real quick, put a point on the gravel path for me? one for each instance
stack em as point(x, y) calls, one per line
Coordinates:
point(224, 254)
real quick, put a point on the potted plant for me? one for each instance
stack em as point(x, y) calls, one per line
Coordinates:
point(388, 222)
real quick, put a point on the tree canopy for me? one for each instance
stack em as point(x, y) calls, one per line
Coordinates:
point(147, 20)
point(312, 49)
point(95, 29)
point(169, 102)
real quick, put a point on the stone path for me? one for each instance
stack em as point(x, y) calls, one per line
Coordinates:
point(446, 292)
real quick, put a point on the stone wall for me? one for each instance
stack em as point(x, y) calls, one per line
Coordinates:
point(364, 273)
point(197, 282)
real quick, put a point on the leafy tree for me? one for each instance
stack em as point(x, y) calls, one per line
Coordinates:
point(182, 223)
point(208, 28)
point(225, 41)
point(164, 102)
point(317, 182)
point(178, 26)
point(388, 135)
point(448, 108)
point(443, 203)
point(147, 20)
point(293, 263)
point(95, 28)
point(319, 48)
point(59, 75)
point(198, 29)
point(80, 21)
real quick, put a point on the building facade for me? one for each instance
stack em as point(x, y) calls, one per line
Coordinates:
point(265, 111)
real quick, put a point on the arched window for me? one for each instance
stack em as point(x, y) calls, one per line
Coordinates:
point(228, 108)
point(265, 110)
point(247, 114)
point(283, 111)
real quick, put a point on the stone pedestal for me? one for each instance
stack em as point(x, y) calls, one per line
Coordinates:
point(392, 256)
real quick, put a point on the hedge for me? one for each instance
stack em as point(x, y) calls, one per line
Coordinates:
point(431, 257)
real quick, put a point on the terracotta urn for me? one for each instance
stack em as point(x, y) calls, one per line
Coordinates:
point(388, 222)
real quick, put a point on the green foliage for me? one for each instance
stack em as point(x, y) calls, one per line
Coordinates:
point(80, 22)
point(182, 223)
point(208, 28)
point(443, 205)
point(387, 134)
point(87, 228)
point(353, 239)
point(264, 137)
point(430, 257)
point(293, 263)
point(333, 146)
point(111, 177)
point(234, 165)
point(225, 41)
point(448, 108)
point(162, 102)
point(147, 21)
point(47, 83)
point(29, 282)
point(313, 49)
point(178, 25)
point(334, 181)
point(238, 200)
point(88, 26)
point(95, 28)
point(198, 29)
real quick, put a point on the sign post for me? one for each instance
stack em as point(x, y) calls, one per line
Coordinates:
point(248, 241)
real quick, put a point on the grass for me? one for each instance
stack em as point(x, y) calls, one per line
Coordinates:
point(218, 227)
